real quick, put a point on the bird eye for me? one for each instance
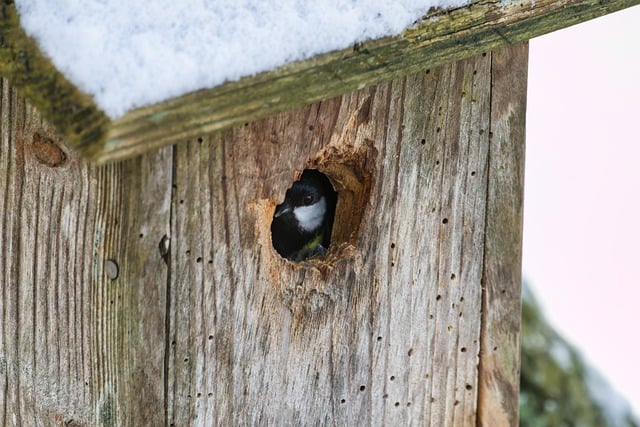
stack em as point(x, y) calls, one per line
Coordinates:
point(307, 200)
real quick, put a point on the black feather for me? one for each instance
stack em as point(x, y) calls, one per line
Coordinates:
point(287, 237)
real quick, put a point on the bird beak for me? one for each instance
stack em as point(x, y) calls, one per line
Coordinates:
point(282, 209)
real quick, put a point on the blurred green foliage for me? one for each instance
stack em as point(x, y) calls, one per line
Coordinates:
point(557, 388)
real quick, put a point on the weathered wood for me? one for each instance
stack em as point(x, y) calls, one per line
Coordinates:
point(500, 355)
point(73, 113)
point(386, 332)
point(438, 38)
point(82, 322)
point(147, 292)
point(46, 226)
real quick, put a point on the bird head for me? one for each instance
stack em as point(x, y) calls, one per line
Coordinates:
point(305, 202)
point(302, 223)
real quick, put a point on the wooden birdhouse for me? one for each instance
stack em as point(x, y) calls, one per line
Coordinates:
point(140, 285)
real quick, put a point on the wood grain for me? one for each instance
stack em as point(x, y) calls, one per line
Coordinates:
point(387, 331)
point(77, 346)
point(46, 228)
point(147, 292)
point(502, 279)
point(440, 37)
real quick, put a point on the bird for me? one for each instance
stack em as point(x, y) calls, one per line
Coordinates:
point(301, 226)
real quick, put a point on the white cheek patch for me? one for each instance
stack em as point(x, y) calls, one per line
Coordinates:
point(310, 217)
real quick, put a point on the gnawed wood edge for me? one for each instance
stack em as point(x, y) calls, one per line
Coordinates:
point(441, 36)
point(499, 370)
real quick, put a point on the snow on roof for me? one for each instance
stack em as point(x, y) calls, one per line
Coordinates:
point(131, 53)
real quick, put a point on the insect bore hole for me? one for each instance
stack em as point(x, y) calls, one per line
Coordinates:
point(302, 223)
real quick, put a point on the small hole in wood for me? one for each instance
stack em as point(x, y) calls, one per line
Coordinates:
point(396, 404)
point(468, 387)
point(362, 388)
point(423, 141)
point(343, 400)
point(445, 220)
point(453, 276)
point(392, 377)
point(199, 260)
point(379, 339)
point(463, 349)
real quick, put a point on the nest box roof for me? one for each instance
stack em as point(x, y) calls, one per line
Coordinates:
point(118, 78)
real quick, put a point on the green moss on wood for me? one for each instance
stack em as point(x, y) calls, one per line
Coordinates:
point(71, 111)
point(440, 37)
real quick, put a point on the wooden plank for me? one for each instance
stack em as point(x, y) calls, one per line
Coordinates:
point(82, 322)
point(73, 113)
point(129, 286)
point(500, 356)
point(386, 331)
point(440, 37)
point(45, 220)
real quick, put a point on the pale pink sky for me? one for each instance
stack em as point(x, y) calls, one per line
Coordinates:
point(582, 213)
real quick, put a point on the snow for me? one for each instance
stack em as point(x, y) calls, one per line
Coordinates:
point(131, 53)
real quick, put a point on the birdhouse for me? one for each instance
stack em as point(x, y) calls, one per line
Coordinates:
point(141, 285)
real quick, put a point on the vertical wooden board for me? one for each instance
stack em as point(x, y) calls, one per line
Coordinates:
point(77, 346)
point(45, 312)
point(385, 331)
point(500, 356)
point(129, 280)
